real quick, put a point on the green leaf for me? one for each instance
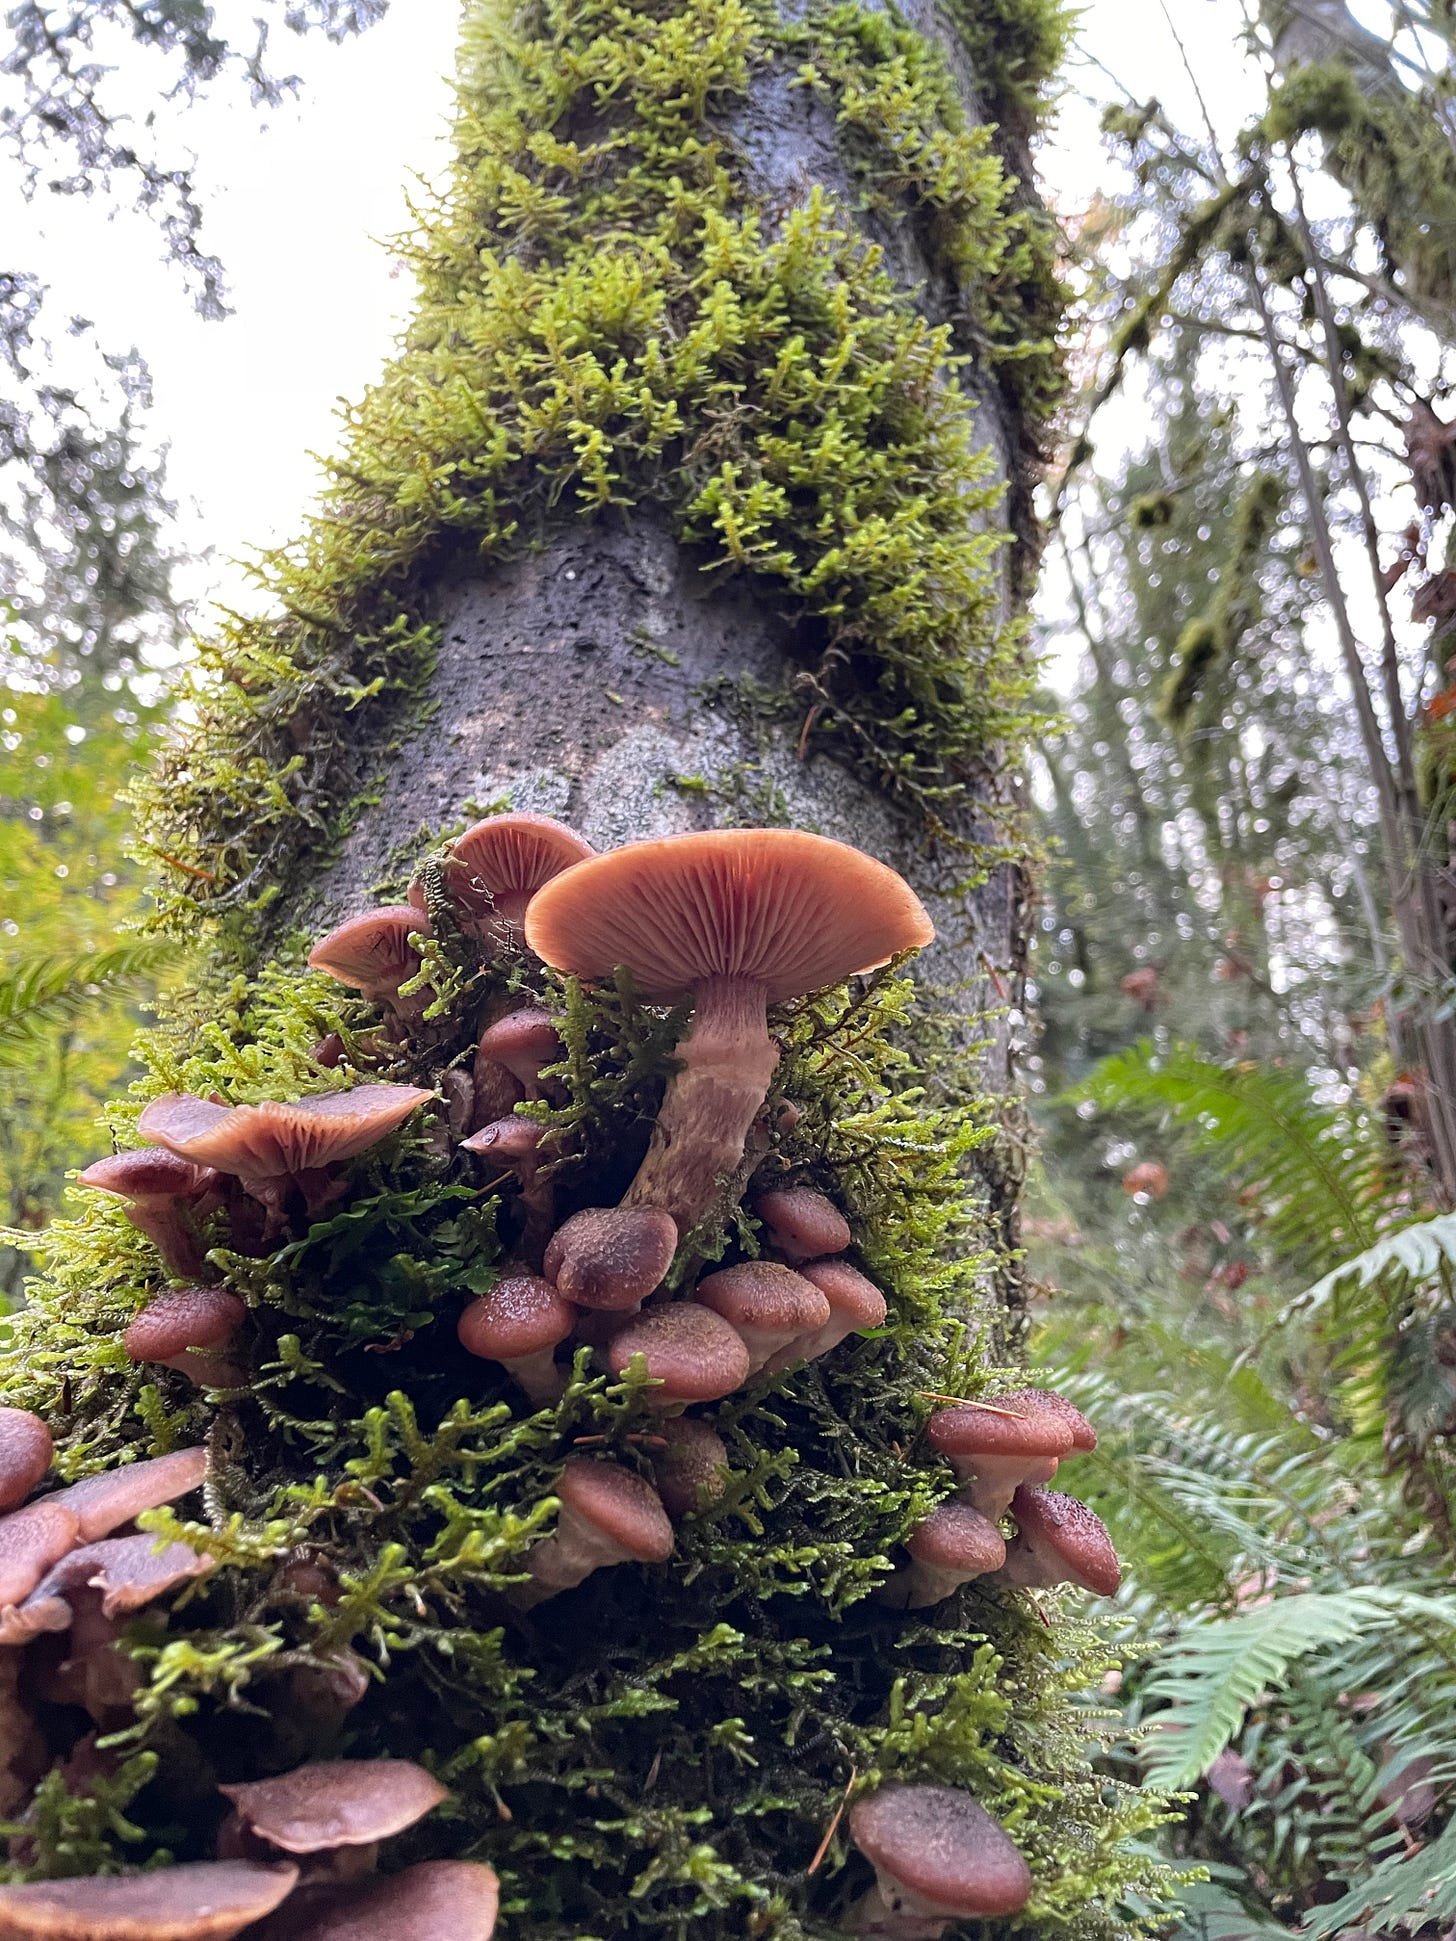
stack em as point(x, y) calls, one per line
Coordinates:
point(38, 993)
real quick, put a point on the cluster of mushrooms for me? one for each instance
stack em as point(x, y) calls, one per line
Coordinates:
point(729, 923)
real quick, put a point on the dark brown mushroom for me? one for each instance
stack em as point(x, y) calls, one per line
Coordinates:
point(611, 1257)
point(273, 1147)
point(855, 1306)
point(1029, 1401)
point(161, 1191)
point(691, 1467)
point(692, 1354)
point(187, 1328)
point(801, 1223)
point(736, 920)
point(439, 1900)
point(769, 1306)
point(206, 1900)
point(938, 1857)
point(954, 1544)
point(1059, 1541)
point(993, 1451)
point(102, 1503)
point(25, 1455)
point(332, 1803)
point(522, 1042)
point(520, 1323)
point(608, 1516)
point(497, 866)
point(373, 955)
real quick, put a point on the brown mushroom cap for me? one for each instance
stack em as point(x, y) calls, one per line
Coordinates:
point(128, 1572)
point(208, 1900)
point(1029, 1401)
point(372, 953)
point(278, 1137)
point(25, 1455)
point(514, 1142)
point(521, 1315)
point(522, 1041)
point(693, 1467)
point(693, 1353)
point(625, 1509)
point(854, 1302)
point(497, 866)
point(966, 1431)
point(336, 1803)
point(149, 1177)
point(768, 1304)
point(439, 1900)
point(611, 1257)
point(941, 1847)
point(778, 908)
point(956, 1537)
point(1060, 1541)
point(31, 1540)
point(802, 1223)
point(101, 1503)
point(184, 1319)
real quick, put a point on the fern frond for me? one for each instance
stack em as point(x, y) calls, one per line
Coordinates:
point(39, 993)
point(1407, 1892)
point(1415, 1253)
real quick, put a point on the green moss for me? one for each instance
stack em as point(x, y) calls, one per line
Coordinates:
point(660, 1752)
point(1210, 641)
point(611, 315)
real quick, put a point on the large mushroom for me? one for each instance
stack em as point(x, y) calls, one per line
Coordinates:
point(611, 1257)
point(280, 1144)
point(735, 920)
point(25, 1455)
point(938, 1857)
point(768, 1305)
point(374, 955)
point(520, 1323)
point(1059, 1541)
point(954, 1544)
point(336, 1807)
point(189, 1329)
point(691, 1354)
point(439, 1900)
point(994, 1450)
point(161, 1192)
point(1030, 1401)
point(608, 1516)
point(206, 1900)
point(497, 866)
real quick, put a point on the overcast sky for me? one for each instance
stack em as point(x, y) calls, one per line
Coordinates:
point(300, 205)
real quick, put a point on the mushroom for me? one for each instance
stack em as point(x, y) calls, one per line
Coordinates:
point(1147, 1180)
point(187, 1328)
point(327, 1806)
point(514, 1146)
point(438, 1900)
point(855, 1304)
point(497, 866)
point(25, 1455)
point(938, 1857)
point(735, 920)
point(993, 1451)
point(117, 1575)
point(205, 1900)
point(769, 1306)
point(608, 1516)
point(1031, 1401)
point(31, 1540)
point(373, 954)
point(100, 1504)
point(954, 1544)
point(520, 1324)
point(691, 1467)
point(161, 1191)
point(691, 1353)
point(611, 1257)
point(522, 1042)
point(802, 1224)
point(1059, 1541)
point(281, 1143)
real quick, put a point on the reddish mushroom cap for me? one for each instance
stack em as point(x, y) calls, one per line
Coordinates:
point(208, 1900)
point(25, 1455)
point(853, 1298)
point(149, 1177)
point(372, 953)
point(967, 1430)
point(956, 1537)
point(522, 1041)
point(1146, 1177)
point(774, 907)
point(611, 1257)
point(802, 1223)
point(496, 867)
point(1031, 1401)
point(336, 1803)
point(439, 1900)
point(128, 1572)
point(278, 1137)
point(938, 1845)
point(627, 1510)
point(100, 1504)
point(693, 1353)
point(769, 1305)
point(1058, 1541)
point(184, 1319)
point(31, 1540)
point(522, 1315)
point(515, 1142)
point(693, 1466)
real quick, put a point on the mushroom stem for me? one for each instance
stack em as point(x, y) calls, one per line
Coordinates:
point(903, 1917)
point(727, 1064)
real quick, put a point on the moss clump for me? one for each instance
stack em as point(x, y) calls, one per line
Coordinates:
point(612, 314)
point(1209, 642)
point(660, 1752)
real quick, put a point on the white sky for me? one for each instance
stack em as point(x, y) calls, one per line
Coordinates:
point(299, 206)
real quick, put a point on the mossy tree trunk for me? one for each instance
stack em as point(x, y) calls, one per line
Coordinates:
point(698, 493)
